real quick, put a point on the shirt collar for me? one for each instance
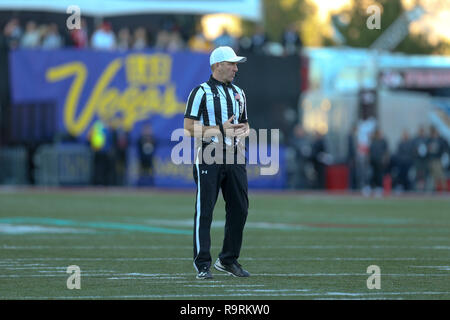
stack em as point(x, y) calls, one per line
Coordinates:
point(216, 82)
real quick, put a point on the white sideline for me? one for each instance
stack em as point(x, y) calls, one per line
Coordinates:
point(378, 295)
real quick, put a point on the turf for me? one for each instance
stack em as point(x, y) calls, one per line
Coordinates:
point(138, 245)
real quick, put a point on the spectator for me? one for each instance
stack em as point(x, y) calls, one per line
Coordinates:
point(198, 42)
point(123, 39)
point(140, 39)
point(146, 151)
point(351, 158)
point(258, 40)
point(437, 147)
point(245, 44)
point(379, 158)
point(99, 141)
point(120, 148)
point(225, 39)
point(303, 149)
point(365, 130)
point(162, 39)
point(291, 41)
point(320, 159)
point(404, 161)
point(52, 38)
point(80, 37)
point(12, 33)
point(175, 41)
point(420, 158)
point(32, 37)
point(103, 37)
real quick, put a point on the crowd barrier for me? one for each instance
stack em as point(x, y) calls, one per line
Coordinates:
point(59, 165)
point(13, 166)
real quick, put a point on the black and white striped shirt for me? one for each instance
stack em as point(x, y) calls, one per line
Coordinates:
point(215, 102)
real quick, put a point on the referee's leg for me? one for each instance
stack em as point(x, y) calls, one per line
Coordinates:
point(207, 180)
point(235, 193)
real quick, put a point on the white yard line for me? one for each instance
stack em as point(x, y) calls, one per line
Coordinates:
point(260, 247)
point(15, 261)
point(175, 275)
point(378, 295)
point(345, 274)
point(137, 278)
point(26, 229)
point(9, 247)
point(223, 285)
point(440, 268)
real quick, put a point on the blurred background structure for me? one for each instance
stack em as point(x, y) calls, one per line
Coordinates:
point(359, 106)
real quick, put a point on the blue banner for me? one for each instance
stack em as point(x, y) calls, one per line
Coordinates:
point(121, 89)
point(181, 175)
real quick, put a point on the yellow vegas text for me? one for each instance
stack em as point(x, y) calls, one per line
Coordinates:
point(149, 91)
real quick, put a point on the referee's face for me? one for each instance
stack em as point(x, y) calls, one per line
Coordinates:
point(227, 71)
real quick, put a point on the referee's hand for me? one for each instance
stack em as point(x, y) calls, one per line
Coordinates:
point(231, 129)
point(242, 132)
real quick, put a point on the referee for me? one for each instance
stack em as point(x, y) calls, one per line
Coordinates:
point(216, 113)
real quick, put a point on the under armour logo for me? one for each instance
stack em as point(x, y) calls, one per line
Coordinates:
point(204, 171)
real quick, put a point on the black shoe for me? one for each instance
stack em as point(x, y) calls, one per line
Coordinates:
point(204, 274)
point(234, 269)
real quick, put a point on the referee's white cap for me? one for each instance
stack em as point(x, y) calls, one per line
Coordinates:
point(224, 54)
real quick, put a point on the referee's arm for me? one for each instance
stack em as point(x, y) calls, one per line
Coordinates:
point(194, 128)
point(244, 131)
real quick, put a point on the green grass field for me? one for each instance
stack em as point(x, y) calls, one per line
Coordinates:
point(138, 245)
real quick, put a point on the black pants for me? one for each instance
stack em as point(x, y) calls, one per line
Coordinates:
point(377, 174)
point(210, 178)
point(102, 169)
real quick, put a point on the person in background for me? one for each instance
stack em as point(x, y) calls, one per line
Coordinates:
point(420, 155)
point(351, 158)
point(319, 159)
point(52, 39)
point(103, 37)
point(404, 161)
point(146, 150)
point(120, 146)
point(258, 40)
point(140, 39)
point(379, 158)
point(225, 40)
point(32, 37)
point(291, 41)
point(198, 42)
point(162, 39)
point(99, 141)
point(437, 147)
point(123, 39)
point(80, 37)
point(175, 41)
point(12, 33)
point(364, 132)
point(303, 149)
